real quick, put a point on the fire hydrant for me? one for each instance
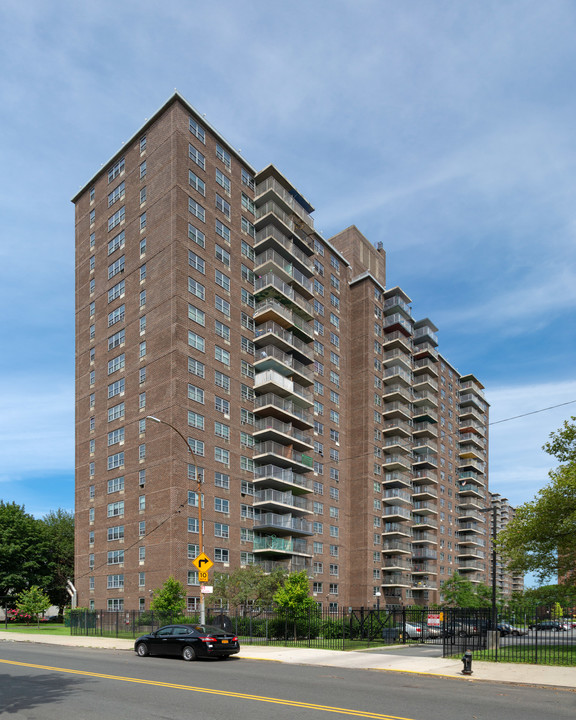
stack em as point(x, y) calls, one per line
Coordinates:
point(467, 660)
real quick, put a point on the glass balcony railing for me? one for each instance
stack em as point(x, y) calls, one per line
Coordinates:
point(272, 184)
point(282, 475)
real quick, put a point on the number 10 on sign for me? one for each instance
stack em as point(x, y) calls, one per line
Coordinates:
point(203, 576)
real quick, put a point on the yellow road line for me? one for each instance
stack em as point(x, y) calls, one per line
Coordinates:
point(208, 691)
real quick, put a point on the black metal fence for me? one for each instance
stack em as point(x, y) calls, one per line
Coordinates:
point(535, 637)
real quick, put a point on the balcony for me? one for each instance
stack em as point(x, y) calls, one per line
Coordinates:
point(425, 349)
point(397, 393)
point(423, 585)
point(270, 499)
point(424, 492)
point(270, 285)
point(270, 261)
point(425, 333)
point(465, 526)
point(425, 398)
point(423, 553)
point(398, 375)
point(420, 537)
point(271, 381)
point(471, 426)
point(473, 386)
point(424, 384)
point(395, 563)
point(397, 479)
point(270, 333)
point(473, 438)
point(423, 522)
point(425, 364)
point(397, 409)
point(477, 466)
point(394, 528)
point(424, 429)
point(398, 357)
point(399, 323)
point(271, 189)
point(271, 237)
point(423, 446)
point(468, 414)
point(470, 566)
point(396, 495)
point(285, 410)
point(424, 413)
point(422, 507)
point(396, 580)
point(397, 339)
point(395, 513)
point(471, 490)
point(425, 476)
point(271, 212)
point(396, 303)
point(271, 452)
point(272, 358)
point(470, 539)
point(422, 460)
point(270, 544)
point(285, 524)
point(396, 546)
point(471, 515)
point(399, 426)
point(424, 568)
point(396, 462)
point(472, 399)
point(295, 564)
point(269, 428)
point(397, 443)
point(273, 310)
point(471, 552)
point(279, 478)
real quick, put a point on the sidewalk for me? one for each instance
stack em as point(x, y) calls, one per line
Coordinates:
point(392, 660)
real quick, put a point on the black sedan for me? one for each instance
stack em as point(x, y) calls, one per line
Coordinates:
point(189, 642)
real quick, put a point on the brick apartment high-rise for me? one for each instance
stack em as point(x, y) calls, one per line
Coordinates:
point(329, 433)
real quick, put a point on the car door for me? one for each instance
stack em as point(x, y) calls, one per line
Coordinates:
point(163, 642)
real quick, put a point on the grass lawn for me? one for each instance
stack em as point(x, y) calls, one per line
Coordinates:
point(547, 655)
point(44, 629)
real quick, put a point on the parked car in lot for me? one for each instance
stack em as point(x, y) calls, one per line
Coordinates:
point(553, 625)
point(415, 632)
point(188, 641)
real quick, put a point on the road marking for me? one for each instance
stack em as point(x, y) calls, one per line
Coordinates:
point(208, 691)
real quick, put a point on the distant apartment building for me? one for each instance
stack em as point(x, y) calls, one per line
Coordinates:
point(506, 582)
point(329, 433)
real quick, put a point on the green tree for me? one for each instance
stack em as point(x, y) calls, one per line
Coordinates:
point(294, 594)
point(459, 592)
point(169, 601)
point(248, 586)
point(59, 526)
point(24, 549)
point(32, 602)
point(542, 536)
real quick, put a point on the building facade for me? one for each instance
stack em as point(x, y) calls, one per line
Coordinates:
point(328, 432)
point(506, 582)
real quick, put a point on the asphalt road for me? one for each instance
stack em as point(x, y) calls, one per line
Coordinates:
point(38, 682)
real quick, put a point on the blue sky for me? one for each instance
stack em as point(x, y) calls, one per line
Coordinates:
point(443, 129)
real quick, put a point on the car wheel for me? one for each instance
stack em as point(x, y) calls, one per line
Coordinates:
point(461, 633)
point(142, 649)
point(188, 653)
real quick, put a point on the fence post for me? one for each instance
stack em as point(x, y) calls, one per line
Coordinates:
point(403, 625)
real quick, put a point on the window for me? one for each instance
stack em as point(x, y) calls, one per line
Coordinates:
point(224, 207)
point(222, 280)
point(116, 509)
point(142, 247)
point(196, 156)
point(247, 250)
point(334, 282)
point(222, 355)
point(318, 308)
point(222, 480)
point(196, 209)
point(318, 287)
point(197, 236)
point(117, 218)
point(247, 227)
point(116, 436)
point(197, 130)
point(143, 170)
point(221, 555)
point(117, 194)
point(116, 291)
point(246, 368)
point(223, 181)
point(115, 557)
point(92, 217)
point(334, 301)
point(116, 315)
point(116, 267)
point(334, 550)
point(221, 430)
point(115, 581)
point(116, 461)
point(222, 405)
point(247, 179)
point(222, 456)
point(92, 286)
point(221, 530)
point(222, 380)
point(142, 221)
point(196, 341)
point(222, 330)
point(247, 345)
point(198, 290)
point(195, 420)
point(116, 170)
point(246, 392)
point(224, 155)
point(116, 388)
point(92, 262)
point(195, 314)
point(92, 240)
point(116, 363)
point(221, 505)
point(334, 531)
point(195, 367)
point(246, 511)
point(222, 305)
point(195, 182)
point(195, 393)
point(318, 247)
point(247, 274)
point(116, 484)
point(246, 417)
point(222, 255)
point(248, 298)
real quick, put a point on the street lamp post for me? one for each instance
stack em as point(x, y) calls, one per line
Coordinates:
point(199, 491)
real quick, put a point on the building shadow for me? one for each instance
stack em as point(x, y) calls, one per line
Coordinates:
point(25, 692)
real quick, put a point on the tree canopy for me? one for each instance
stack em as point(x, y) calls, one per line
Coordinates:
point(169, 601)
point(59, 526)
point(249, 586)
point(459, 592)
point(542, 536)
point(294, 594)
